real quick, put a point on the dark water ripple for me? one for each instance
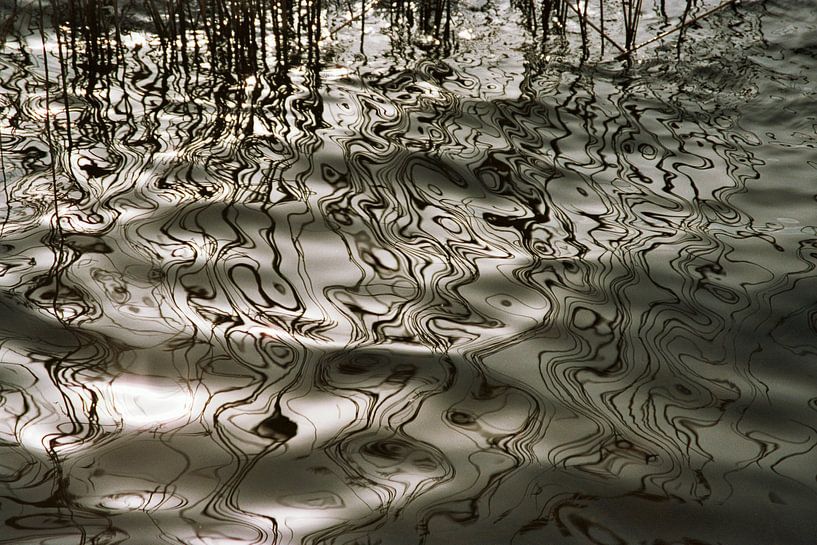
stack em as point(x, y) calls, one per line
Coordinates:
point(481, 299)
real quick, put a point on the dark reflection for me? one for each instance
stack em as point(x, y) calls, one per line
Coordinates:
point(258, 288)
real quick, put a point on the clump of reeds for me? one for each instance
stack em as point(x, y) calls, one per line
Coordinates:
point(550, 19)
point(92, 25)
point(631, 10)
point(427, 21)
point(239, 33)
point(236, 32)
point(553, 16)
point(434, 17)
point(554, 13)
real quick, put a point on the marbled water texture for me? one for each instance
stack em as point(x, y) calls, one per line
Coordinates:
point(489, 296)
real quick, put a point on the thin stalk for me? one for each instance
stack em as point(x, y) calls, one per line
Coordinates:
point(64, 78)
point(362, 25)
point(583, 24)
point(601, 24)
point(58, 243)
point(632, 16)
point(597, 29)
point(5, 186)
point(546, 6)
point(663, 35)
point(353, 18)
point(681, 33)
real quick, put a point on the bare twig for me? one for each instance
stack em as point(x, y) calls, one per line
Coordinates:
point(348, 22)
point(594, 27)
point(683, 25)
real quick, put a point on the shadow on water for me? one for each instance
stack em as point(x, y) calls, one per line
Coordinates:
point(259, 288)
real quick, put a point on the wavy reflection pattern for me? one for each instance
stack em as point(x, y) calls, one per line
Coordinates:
point(452, 302)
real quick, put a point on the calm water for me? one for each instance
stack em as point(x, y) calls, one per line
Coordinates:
point(394, 294)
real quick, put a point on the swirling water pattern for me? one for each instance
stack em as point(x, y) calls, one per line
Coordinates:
point(479, 299)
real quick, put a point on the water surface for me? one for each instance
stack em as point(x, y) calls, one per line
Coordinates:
point(483, 293)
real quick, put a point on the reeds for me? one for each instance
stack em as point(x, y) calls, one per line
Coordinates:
point(243, 35)
point(235, 32)
point(631, 11)
point(554, 16)
point(240, 35)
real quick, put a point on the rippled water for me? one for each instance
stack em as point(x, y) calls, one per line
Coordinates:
point(490, 296)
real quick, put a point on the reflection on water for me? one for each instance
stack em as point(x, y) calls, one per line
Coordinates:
point(478, 297)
